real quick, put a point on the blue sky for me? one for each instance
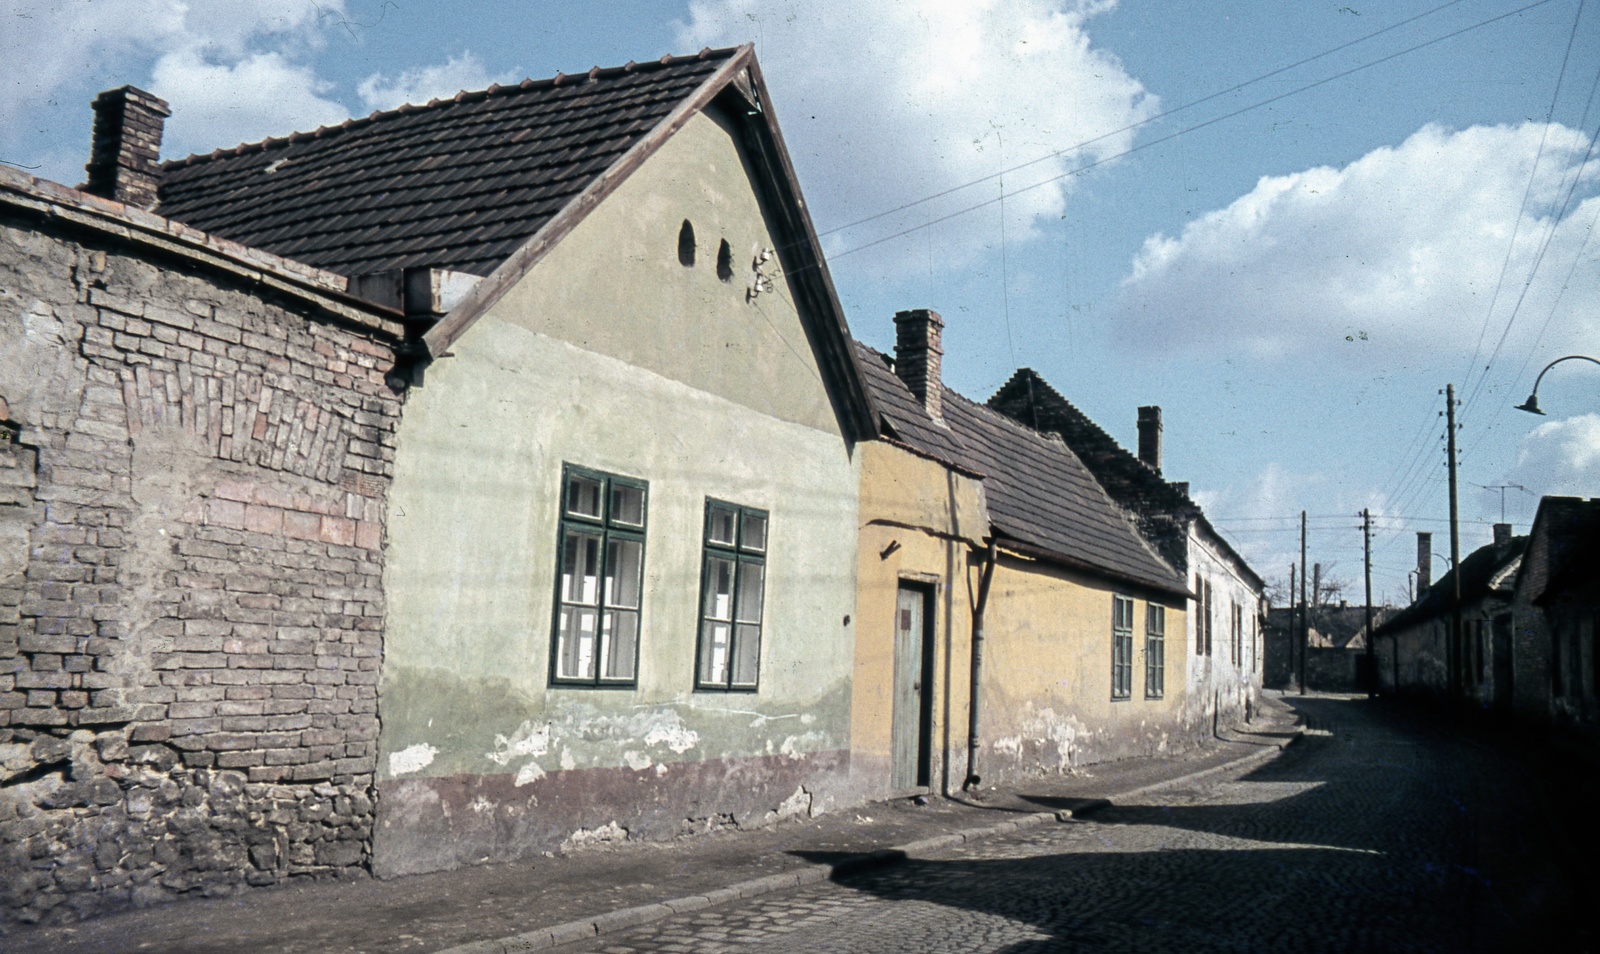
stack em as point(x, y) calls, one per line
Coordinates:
point(1293, 267)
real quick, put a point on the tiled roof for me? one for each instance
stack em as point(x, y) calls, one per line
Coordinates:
point(1563, 552)
point(1029, 399)
point(457, 184)
point(1039, 493)
point(1478, 572)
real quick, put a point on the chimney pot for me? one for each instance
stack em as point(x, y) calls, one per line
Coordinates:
point(1424, 562)
point(123, 164)
point(1150, 437)
point(918, 355)
point(1502, 534)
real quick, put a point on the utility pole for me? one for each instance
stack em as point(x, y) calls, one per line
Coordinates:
point(1366, 546)
point(1454, 649)
point(1305, 618)
point(1294, 628)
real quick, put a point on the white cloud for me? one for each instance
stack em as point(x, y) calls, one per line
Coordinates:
point(886, 101)
point(1561, 457)
point(1397, 252)
point(441, 81)
point(184, 46)
point(222, 105)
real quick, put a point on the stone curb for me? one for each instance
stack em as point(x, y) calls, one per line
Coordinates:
point(541, 939)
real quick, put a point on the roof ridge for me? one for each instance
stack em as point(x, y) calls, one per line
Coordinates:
point(463, 96)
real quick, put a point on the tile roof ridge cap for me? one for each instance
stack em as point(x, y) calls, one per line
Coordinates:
point(379, 115)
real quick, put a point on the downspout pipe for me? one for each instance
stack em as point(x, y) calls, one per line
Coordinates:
point(974, 696)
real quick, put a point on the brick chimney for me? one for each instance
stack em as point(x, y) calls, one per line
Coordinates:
point(917, 356)
point(1150, 437)
point(127, 146)
point(1502, 534)
point(1424, 563)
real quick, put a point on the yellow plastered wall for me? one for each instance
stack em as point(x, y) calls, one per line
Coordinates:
point(1047, 702)
point(920, 521)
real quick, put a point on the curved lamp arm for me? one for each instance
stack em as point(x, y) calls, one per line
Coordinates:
point(1532, 404)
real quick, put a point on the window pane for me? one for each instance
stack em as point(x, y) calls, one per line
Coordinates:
point(619, 645)
point(751, 576)
point(575, 643)
point(627, 505)
point(714, 653)
point(1157, 620)
point(583, 496)
point(623, 559)
point(747, 655)
point(719, 588)
point(720, 526)
point(580, 568)
point(755, 532)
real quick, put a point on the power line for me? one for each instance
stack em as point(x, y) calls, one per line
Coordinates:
point(1143, 122)
point(1200, 125)
point(1522, 211)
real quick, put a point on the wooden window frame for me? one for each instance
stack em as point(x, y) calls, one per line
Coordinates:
point(1121, 647)
point(1155, 651)
point(608, 527)
point(743, 555)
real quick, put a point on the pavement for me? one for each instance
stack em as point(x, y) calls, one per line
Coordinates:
point(551, 901)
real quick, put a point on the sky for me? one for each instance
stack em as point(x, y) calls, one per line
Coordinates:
point(1289, 223)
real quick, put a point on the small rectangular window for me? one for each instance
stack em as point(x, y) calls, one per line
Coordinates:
point(1121, 647)
point(599, 580)
point(1155, 651)
point(733, 596)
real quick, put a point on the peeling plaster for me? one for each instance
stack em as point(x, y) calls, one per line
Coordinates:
point(636, 761)
point(606, 834)
point(679, 738)
point(530, 772)
point(525, 741)
point(411, 759)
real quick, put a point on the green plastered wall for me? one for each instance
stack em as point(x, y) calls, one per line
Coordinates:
point(613, 356)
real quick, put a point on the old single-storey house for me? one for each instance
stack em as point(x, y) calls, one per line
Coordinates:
point(1413, 647)
point(620, 567)
point(971, 522)
point(1556, 615)
point(606, 565)
point(1223, 674)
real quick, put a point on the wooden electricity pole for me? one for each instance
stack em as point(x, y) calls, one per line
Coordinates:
point(1453, 650)
point(1305, 613)
point(1366, 546)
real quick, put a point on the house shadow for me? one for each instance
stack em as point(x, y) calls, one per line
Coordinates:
point(1370, 850)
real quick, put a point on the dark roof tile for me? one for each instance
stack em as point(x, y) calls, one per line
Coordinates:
point(457, 184)
point(1039, 493)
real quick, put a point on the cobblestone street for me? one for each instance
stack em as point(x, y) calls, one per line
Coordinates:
point(1370, 835)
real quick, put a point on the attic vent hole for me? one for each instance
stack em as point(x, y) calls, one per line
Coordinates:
point(725, 262)
point(686, 245)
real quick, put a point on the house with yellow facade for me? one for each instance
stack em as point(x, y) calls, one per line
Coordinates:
point(1010, 619)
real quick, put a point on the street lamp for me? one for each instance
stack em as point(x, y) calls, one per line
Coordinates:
point(1532, 404)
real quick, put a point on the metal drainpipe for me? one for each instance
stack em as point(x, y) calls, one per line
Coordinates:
point(974, 696)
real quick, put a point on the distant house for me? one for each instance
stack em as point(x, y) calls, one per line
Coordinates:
point(1556, 607)
point(1336, 647)
point(1223, 629)
point(1413, 648)
point(970, 518)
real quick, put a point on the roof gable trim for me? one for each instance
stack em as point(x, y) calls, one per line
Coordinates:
point(438, 339)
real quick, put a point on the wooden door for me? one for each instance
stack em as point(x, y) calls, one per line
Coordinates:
point(913, 710)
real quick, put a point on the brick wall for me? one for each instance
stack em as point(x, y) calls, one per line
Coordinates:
point(192, 495)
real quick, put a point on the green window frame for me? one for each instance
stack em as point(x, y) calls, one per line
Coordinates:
point(732, 597)
point(599, 600)
point(1155, 651)
point(1121, 647)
